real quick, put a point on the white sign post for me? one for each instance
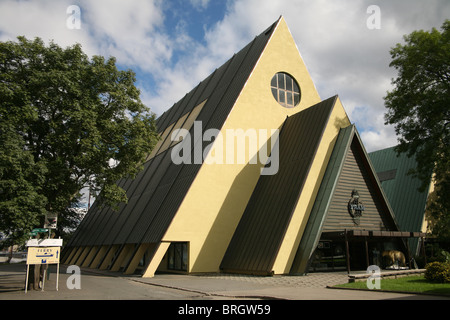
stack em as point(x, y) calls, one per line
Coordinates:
point(46, 251)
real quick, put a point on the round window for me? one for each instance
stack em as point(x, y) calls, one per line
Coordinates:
point(285, 90)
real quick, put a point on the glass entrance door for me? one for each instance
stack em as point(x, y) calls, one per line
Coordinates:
point(178, 256)
point(329, 256)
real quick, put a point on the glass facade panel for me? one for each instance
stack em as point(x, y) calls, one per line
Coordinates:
point(281, 83)
point(289, 84)
point(281, 96)
point(289, 99)
point(329, 256)
point(273, 82)
point(171, 258)
point(178, 256)
point(275, 93)
point(296, 99)
point(296, 89)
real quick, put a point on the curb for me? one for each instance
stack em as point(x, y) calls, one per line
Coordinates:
point(390, 291)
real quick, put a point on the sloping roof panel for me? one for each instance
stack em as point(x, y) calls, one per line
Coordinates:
point(348, 148)
point(313, 228)
point(213, 115)
point(407, 202)
point(257, 239)
point(157, 192)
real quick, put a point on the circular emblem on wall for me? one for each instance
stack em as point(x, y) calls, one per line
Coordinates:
point(355, 207)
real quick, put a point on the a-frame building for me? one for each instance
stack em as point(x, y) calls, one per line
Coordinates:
point(250, 183)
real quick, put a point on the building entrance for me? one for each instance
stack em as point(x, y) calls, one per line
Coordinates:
point(329, 256)
point(356, 250)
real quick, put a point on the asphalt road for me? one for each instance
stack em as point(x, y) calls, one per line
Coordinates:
point(177, 296)
point(92, 287)
point(95, 285)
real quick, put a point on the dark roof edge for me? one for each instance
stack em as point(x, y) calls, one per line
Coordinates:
point(318, 214)
point(374, 175)
point(259, 230)
point(317, 217)
point(270, 29)
point(333, 101)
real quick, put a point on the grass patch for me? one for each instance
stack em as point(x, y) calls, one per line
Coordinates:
point(413, 284)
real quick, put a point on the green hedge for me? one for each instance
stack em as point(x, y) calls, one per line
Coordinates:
point(438, 272)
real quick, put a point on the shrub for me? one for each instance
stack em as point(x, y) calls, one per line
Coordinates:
point(438, 272)
point(445, 255)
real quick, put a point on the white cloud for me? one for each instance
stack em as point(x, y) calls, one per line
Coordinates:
point(129, 31)
point(199, 4)
point(45, 19)
point(343, 56)
point(132, 30)
point(380, 139)
point(124, 29)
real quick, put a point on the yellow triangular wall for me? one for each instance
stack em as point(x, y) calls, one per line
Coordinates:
point(218, 196)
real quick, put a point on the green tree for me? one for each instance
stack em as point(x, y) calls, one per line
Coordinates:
point(419, 108)
point(21, 181)
point(80, 120)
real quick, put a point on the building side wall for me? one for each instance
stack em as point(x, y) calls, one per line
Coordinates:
point(355, 176)
point(210, 212)
point(338, 119)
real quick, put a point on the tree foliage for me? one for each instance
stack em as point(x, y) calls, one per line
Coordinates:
point(21, 201)
point(419, 107)
point(64, 119)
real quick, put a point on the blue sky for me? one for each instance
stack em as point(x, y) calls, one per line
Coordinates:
point(174, 44)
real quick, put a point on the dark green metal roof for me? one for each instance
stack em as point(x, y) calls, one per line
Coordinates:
point(347, 143)
point(317, 216)
point(157, 192)
point(401, 189)
point(261, 230)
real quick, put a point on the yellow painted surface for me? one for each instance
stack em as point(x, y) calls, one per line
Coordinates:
point(137, 257)
point(426, 227)
point(212, 208)
point(187, 124)
point(286, 254)
point(160, 251)
point(109, 256)
point(125, 253)
point(82, 256)
point(75, 256)
point(43, 255)
point(98, 257)
point(167, 140)
point(71, 255)
point(90, 256)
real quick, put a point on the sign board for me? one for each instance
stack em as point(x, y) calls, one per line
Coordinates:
point(43, 255)
point(51, 220)
point(43, 251)
point(44, 243)
point(35, 231)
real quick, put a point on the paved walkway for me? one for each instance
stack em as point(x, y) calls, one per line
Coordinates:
point(314, 286)
point(104, 285)
point(312, 280)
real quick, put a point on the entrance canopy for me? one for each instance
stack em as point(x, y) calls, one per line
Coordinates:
point(349, 234)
